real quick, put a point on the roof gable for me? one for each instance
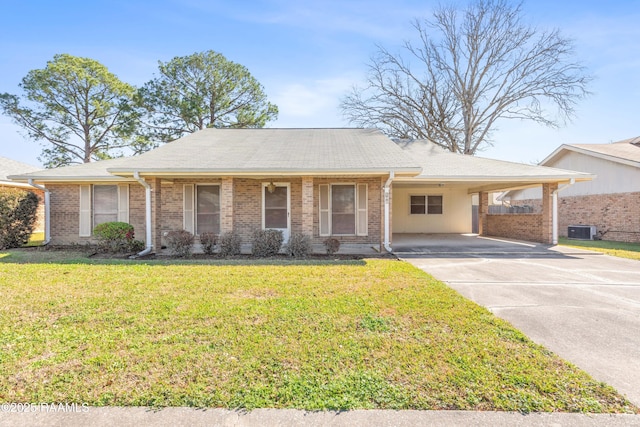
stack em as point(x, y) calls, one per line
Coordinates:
point(625, 152)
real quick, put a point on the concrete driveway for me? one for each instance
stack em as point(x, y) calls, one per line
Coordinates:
point(583, 306)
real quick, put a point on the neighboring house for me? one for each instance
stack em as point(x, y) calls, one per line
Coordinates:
point(611, 202)
point(352, 184)
point(13, 167)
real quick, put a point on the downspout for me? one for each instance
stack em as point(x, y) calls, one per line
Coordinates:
point(554, 210)
point(147, 196)
point(47, 211)
point(387, 224)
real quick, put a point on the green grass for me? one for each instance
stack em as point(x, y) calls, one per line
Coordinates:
point(324, 335)
point(36, 239)
point(619, 249)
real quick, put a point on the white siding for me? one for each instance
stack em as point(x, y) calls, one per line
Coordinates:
point(455, 217)
point(611, 177)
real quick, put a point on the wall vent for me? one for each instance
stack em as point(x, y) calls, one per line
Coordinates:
point(582, 232)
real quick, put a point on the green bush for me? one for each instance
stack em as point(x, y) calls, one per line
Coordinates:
point(299, 245)
point(180, 242)
point(18, 211)
point(208, 241)
point(332, 245)
point(117, 237)
point(229, 244)
point(266, 243)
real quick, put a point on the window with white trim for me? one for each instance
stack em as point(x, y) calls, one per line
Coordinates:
point(207, 209)
point(343, 210)
point(201, 208)
point(102, 203)
point(105, 204)
point(420, 205)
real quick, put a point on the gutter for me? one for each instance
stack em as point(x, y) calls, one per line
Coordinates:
point(147, 196)
point(554, 211)
point(47, 211)
point(387, 225)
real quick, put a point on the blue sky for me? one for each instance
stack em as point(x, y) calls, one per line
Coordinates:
point(307, 54)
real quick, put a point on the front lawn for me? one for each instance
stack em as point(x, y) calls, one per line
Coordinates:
point(619, 249)
point(318, 335)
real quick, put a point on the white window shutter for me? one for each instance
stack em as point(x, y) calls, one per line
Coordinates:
point(85, 211)
point(188, 208)
point(362, 226)
point(324, 226)
point(123, 203)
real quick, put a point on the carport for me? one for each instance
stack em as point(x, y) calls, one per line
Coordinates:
point(439, 199)
point(463, 244)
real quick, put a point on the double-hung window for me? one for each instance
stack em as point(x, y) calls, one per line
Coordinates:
point(420, 205)
point(102, 203)
point(201, 205)
point(343, 210)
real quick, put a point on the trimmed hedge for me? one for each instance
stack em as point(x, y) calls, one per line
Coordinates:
point(116, 237)
point(18, 212)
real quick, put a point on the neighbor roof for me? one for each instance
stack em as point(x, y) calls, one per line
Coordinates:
point(440, 165)
point(255, 151)
point(13, 167)
point(626, 151)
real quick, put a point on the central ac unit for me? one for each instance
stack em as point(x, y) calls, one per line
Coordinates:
point(582, 232)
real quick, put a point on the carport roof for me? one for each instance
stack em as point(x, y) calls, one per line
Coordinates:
point(480, 174)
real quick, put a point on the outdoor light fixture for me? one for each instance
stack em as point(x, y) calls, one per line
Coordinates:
point(271, 187)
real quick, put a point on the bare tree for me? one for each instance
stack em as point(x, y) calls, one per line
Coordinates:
point(474, 67)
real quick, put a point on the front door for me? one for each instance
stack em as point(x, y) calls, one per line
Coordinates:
point(276, 208)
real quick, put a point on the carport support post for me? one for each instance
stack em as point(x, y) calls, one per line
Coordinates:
point(483, 211)
point(546, 234)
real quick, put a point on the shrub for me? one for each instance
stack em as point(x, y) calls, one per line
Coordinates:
point(180, 242)
point(332, 245)
point(18, 210)
point(209, 241)
point(299, 245)
point(229, 244)
point(266, 243)
point(115, 237)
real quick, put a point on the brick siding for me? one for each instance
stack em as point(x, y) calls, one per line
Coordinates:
point(245, 207)
point(616, 216)
point(516, 226)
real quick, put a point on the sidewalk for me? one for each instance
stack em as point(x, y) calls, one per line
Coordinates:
point(176, 417)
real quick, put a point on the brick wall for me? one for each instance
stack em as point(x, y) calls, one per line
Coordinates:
point(65, 214)
point(616, 216)
point(168, 199)
point(516, 226)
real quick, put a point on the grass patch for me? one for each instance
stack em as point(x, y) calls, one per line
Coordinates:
point(324, 335)
point(35, 239)
point(619, 249)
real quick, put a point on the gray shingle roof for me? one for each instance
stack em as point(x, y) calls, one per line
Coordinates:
point(441, 165)
point(628, 149)
point(14, 167)
point(268, 151)
point(276, 150)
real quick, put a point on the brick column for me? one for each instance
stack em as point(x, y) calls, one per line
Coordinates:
point(226, 205)
point(546, 233)
point(307, 205)
point(483, 211)
point(156, 213)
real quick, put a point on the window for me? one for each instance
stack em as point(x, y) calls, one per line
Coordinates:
point(343, 212)
point(105, 204)
point(343, 209)
point(207, 209)
point(434, 204)
point(420, 205)
point(100, 204)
